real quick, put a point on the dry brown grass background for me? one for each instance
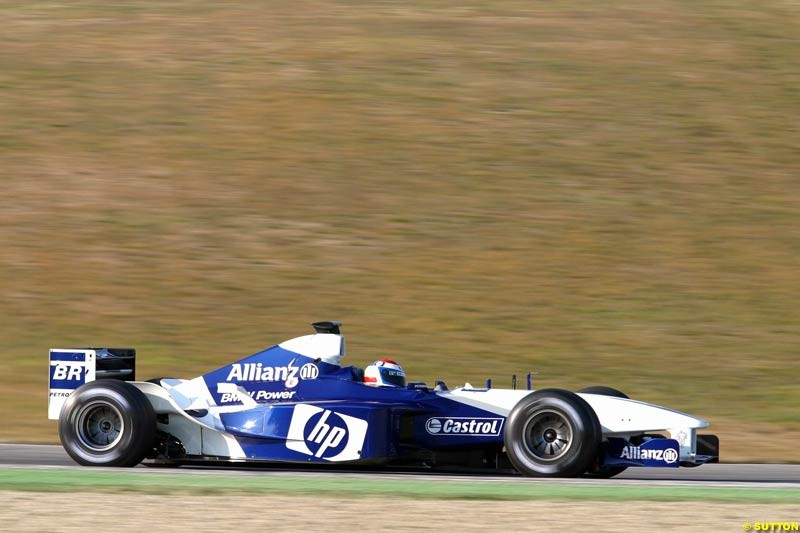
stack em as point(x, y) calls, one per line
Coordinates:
point(606, 193)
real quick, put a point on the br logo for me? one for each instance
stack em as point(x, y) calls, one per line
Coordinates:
point(326, 434)
point(67, 372)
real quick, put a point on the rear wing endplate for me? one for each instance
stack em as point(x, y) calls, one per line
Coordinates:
point(72, 367)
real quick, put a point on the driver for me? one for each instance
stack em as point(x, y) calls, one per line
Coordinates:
point(385, 373)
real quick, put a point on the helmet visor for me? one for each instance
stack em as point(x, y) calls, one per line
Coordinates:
point(394, 377)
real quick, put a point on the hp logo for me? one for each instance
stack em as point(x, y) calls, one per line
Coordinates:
point(326, 434)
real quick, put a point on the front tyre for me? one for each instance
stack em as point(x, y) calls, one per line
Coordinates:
point(604, 391)
point(107, 423)
point(552, 433)
point(604, 472)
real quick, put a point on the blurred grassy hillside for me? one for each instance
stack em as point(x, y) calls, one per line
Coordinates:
point(604, 192)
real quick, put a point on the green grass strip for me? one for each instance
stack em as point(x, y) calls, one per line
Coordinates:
point(347, 486)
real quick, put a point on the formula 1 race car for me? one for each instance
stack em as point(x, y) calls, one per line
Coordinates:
point(296, 403)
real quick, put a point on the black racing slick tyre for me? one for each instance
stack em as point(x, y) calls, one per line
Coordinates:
point(604, 391)
point(552, 433)
point(604, 472)
point(107, 423)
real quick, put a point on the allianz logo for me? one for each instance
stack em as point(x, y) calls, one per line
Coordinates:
point(464, 426)
point(290, 375)
point(635, 453)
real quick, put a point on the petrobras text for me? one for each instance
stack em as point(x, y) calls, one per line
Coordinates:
point(464, 426)
point(290, 375)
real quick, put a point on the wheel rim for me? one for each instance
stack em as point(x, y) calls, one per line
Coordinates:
point(548, 435)
point(100, 426)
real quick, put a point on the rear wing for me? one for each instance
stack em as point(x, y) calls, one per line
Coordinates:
point(72, 367)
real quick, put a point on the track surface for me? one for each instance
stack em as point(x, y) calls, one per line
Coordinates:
point(46, 456)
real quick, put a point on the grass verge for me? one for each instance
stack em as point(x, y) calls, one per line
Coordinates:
point(344, 486)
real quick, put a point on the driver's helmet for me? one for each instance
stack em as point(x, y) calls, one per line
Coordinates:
point(385, 373)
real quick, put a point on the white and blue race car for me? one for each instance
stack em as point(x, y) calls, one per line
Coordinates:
point(296, 403)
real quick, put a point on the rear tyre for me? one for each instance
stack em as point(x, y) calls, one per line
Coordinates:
point(107, 423)
point(604, 472)
point(552, 433)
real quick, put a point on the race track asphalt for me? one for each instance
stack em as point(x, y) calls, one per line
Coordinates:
point(778, 475)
